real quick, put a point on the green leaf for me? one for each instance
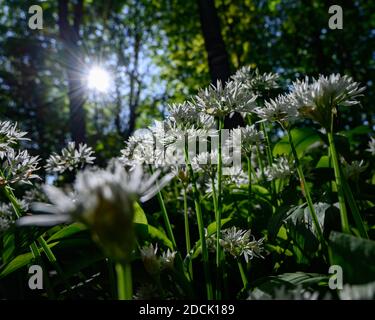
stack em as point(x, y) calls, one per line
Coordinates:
point(67, 231)
point(147, 232)
point(324, 162)
point(211, 229)
point(304, 139)
point(271, 286)
point(8, 246)
point(356, 256)
point(17, 263)
point(139, 214)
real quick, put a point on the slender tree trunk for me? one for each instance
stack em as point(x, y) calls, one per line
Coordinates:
point(218, 59)
point(72, 59)
point(135, 86)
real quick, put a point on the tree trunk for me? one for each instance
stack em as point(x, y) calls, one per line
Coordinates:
point(218, 60)
point(72, 59)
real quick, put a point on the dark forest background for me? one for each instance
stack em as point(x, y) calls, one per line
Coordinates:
point(160, 51)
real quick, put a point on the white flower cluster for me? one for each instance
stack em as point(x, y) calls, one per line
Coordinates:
point(220, 100)
point(187, 115)
point(371, 146)
point(238, 243)
point(249, 136)
point(9, 137)
point(6, 217)
point(256, 82)
point(71, 158)
point(354, 169)
point(16, 166)
point(153, 262)
point(280, 169)
point(19, 167)
point(316, 99)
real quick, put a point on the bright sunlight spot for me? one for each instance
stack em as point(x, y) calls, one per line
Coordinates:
point(98, 79)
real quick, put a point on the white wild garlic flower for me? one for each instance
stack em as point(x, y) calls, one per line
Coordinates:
point(279, 110)
point(237, 243)
point(7, 217)
point(255, 81)
point(187, 115)
point(19, 167)
point(154, 263)
point(371, 146)
point(320, 98)
point(71, 158)
point(241, 243)
point(354, 169)
point(139, 149)
point(220, 101)
point(168, 132)
point(9, 137)
point(280, 169)
point(237, 176)
point(249, 137)
point(104, 200)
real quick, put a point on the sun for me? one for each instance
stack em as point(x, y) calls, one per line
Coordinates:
point(98, 79)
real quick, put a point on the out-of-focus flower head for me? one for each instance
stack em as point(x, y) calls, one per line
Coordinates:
point(103, 199)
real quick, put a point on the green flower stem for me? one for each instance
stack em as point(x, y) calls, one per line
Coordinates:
point(268, 145)
point(179, 261)
point(187, 234)
point(249, 177)
point(258, 154)
point(242, 273)
point(52, 259)
point(165, 215)
point(269, 156)
point(124, 281)
point(34, 247)
point(260, 162)
point(219, 211)
point(17, 209)
point(353, 206)
point(214, 195)
point(343, 213)
point(306, 190)
point(34, 250)
point(202, 235)
point(112, 277)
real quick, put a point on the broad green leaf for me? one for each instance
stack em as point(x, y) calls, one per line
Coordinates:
point(211, 229)
point(274, 286)
point(17, 263)
point(324, 162)
point(304, 139)
point(147, 232)
point(355, 255)
point(139, 214)
point(68, 231)
point(8, 246)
